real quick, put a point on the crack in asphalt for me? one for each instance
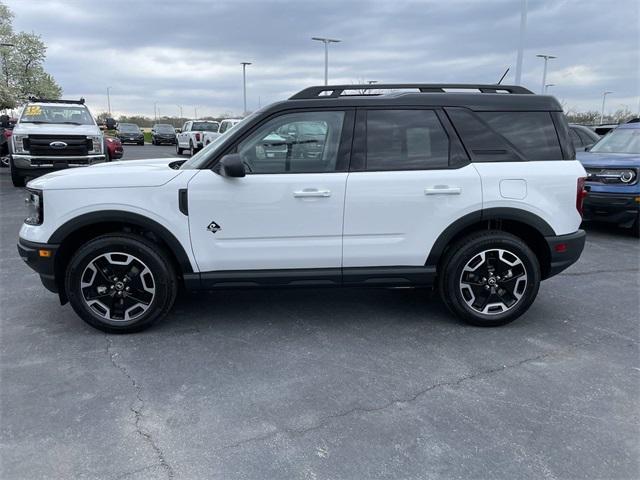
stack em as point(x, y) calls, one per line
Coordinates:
point(137, 409)
point(449, 383)
point(596, 272)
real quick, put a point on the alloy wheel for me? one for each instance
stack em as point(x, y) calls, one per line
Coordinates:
point(493, 281)
point(118, 286)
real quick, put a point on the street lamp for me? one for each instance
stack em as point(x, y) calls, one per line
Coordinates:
point(109, 100)
point(244, 85)
point(180, 107)
point(546, 87)
point(544, 72)
point(523, 29)
point(326, 42)
point(604, 97)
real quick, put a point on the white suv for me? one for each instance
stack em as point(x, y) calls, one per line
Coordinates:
point(478, 194)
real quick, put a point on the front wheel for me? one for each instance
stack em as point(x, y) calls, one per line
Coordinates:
point(120, 283)
point(178, 149)
point(192, 149)
point(489, 278)
point(17, 179)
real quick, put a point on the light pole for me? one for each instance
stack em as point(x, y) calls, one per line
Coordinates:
point(546, 87)
point(109, 101)
point(604, 97)
point(195, 112)
point(180, 107)
point(244, 86)
point(544, 72)
point(326, 42)
point(523, 29)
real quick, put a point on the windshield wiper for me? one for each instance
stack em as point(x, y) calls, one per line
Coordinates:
point(70, 123)
point(33, 121)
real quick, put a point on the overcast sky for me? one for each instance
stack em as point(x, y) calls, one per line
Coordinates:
point(188, 52)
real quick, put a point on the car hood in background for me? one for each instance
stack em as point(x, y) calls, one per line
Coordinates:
point(55, 129)
point(132, 173)
point(589, 159)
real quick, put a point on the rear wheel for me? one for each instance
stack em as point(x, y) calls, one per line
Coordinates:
point(17, 179)
point(489, 278)
point(120, 283)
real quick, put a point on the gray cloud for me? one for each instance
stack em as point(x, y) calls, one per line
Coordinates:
point(188, 52)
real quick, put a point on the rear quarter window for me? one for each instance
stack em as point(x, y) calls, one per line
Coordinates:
point(533, 134)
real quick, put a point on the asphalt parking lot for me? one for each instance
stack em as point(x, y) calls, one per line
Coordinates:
point(325, 384)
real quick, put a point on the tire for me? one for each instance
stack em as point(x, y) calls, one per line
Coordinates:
point(17, 179)
point(113, 308)
point(4, 161)
point(141, 143)
point(472, 267)
point(192, 149)
point(635, 228)
point(178, 149)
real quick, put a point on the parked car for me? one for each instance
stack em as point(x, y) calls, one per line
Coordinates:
point(477, 194)
point(227, 124)
point(52, 135)
point(131, 133)
point(583, 137)
point(163, 133)
point(6, 129)
point(191, 137)
point(114, 150)
point(613, 167)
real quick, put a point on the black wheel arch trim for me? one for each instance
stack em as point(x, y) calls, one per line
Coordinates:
point(497, 213)
point(119, 216)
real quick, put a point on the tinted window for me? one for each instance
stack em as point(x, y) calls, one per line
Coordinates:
point(586, 138)
point(575, 138)
point(406, 140)
point(205, 126)
point(294, 143)
point(532, 133)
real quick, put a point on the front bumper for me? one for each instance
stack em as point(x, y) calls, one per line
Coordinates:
point(30, 162)
point(564, 251)
point(620, 209)
point(40, 257)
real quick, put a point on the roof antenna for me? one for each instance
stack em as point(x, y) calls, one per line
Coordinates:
point(502, 77)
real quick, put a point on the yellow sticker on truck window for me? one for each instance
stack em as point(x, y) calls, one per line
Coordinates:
point(33, 110)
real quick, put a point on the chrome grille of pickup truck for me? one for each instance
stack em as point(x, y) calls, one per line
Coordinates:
point(75, 145)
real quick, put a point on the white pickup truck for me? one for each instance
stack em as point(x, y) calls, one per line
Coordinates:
point(225, 125)
point(191, 137)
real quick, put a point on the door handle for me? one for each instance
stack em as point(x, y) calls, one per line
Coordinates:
point(443, 190)
point(311, 193)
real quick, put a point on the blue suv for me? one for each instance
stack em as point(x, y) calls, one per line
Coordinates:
point(613, 167)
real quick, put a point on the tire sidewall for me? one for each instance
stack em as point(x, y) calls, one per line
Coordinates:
point(464, 253)
point(161, 269)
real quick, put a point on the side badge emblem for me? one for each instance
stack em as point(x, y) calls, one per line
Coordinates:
point(213, 227)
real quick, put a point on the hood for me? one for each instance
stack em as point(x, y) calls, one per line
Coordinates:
point(589, 159)
point(132, 173)
point(56, 129)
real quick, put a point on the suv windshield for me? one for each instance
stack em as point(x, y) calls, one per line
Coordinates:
point(620, 140)
point(128, 127)
point(164, 129)
point(205, 126)
point(59, 114)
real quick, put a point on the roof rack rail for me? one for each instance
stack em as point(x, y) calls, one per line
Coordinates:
point(336, 91)
point(52, 100)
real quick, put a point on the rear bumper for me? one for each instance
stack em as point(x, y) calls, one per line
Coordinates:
point(31, 253)
point(620, 209)
point(564, 251)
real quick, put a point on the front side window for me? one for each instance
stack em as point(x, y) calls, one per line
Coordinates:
point(405, 140)
point(532, 133)
point(577, 141)
point(305, 142)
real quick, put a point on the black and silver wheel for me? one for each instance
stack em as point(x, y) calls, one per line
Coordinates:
point(192, 149)
point(490, 278)
point(17, 179)
point(178, 149)
point(4, 161)
point(120, 283)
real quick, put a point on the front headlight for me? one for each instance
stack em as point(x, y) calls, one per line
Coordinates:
point(626, 175)
point(97, 141)
point(18, 143)
point(35, 207)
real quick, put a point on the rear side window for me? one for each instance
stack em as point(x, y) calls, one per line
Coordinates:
point(532, 133)
point(405, 140)
point(577, 141)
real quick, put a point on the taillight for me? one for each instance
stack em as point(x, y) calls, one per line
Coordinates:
point(581, 193)
point(198, 137)
point(7, 133)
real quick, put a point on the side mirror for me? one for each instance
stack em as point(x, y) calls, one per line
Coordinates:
point(231, 166)
point(588, 147)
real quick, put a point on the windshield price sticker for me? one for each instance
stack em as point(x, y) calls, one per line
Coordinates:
point(33, 110)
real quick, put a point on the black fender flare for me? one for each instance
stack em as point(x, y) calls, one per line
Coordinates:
point(497, 213)
point(121, 216)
